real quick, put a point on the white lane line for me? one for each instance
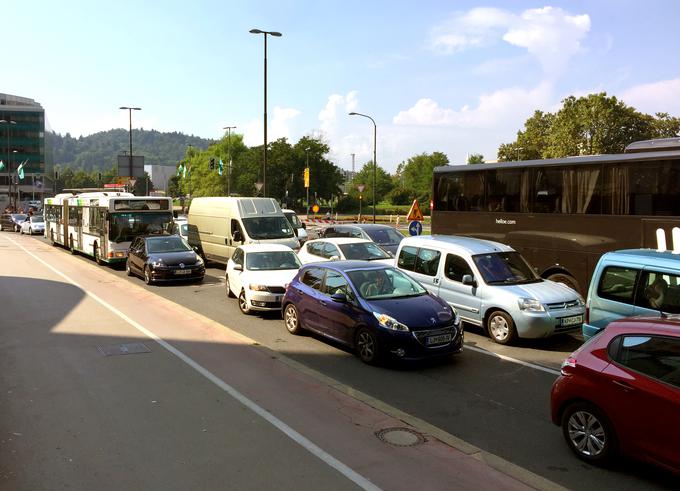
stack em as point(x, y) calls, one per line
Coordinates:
point(311, 447)
point(513, 360)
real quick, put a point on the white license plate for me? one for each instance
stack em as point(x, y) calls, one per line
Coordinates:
point(571, 321)
point(182, 271)
point(442, 338)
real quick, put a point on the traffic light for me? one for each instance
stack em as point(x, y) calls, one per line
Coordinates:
point(307, 177)
point(212, 164)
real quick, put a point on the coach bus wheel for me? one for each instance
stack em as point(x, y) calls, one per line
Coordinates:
point(97, 255)
point(71, 245)
point(566, 280)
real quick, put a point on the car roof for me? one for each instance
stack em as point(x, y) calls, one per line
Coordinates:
point(341, 240)
point(364, 226)
point(668, 325)
point(645, 257)
point(264, 248)
point(468, 244)
point(351, 265)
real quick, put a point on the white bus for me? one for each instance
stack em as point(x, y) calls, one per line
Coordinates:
point(103, 224)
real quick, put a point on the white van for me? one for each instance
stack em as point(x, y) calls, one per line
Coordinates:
point(299, 227)
point(219, 225)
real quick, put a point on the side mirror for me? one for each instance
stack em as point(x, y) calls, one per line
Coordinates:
point(339, 297)
point(238, 267)
point(468, 279)
point(236, 235)
point(304, 225)
point(334, 258)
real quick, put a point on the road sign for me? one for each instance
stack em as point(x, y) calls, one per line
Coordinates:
point(258, 186)
point(361, 188)
point(315, 208)
point(415, 228)
point(132, 182)
point(415, 213)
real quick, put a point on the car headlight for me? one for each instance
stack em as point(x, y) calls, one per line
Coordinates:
point(257, 288)
point(158, 263)
point(530, 305)
point(580, 301)
point(199, 261)
point(390, 322)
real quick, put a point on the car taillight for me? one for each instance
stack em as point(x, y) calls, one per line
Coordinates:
point(568, 365)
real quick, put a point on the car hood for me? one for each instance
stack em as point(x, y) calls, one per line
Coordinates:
point(545, 292)
point(175, 258)
point(269, 278)
point(421, 312)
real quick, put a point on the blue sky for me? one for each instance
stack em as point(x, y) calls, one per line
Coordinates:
point(457, 77)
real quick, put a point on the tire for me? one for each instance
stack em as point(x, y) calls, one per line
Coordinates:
point(501, 327)
point(291, 318)
point(71, 245)
point(97, 255)
point(128, 269)
point(0, 227)
point(566, 280)
point(243, 303)
point(367, 347)
point(54, 243)
point(30, 231)
point(589, 433)
point(230, 294)
point(21, 231)
point(147, 276)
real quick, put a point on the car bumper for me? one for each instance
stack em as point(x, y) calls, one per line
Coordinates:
point(264, 301)
point(413, 345)
point(545, 324)
point(171, 275)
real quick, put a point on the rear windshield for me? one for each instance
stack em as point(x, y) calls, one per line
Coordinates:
point(385, 236)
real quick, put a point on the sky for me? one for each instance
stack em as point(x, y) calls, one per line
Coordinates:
point(451, 76)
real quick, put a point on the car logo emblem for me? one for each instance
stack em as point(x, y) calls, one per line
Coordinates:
point(432, 320)
point(181, 265)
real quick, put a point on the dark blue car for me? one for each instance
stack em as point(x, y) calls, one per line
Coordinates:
point(376, 309)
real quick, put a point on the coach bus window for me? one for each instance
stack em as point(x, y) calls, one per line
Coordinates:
point(581, 189)
point(504, 190)
point(473, 191)
point(449, 195)
point(548, 194)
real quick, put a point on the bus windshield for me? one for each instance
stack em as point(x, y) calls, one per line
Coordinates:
point(505, 268)
point(123, 227)
point(262, 228)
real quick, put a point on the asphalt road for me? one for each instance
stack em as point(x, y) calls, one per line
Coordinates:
point(498, 403)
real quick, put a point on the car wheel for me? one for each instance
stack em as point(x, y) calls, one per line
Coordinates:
point(230, 294)
point(367, 346)
point(147, 276)
point(566, 280)
point(21, 231)
point(292, 319)
point(501, 327)
point(71, 245)
point(0, 227)
point(128, 270)
point(589, 433)
point(243, 303)
point(97, 255)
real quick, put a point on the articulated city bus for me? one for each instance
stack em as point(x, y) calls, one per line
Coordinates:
point(102, 224)
point(563, 214)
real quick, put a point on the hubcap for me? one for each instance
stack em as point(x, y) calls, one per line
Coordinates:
point(366, 346)
point(291, 319)
point(499, 327)
point(242, 302)
point(586, 433)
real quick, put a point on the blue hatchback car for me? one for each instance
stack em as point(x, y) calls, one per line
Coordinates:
point(375, 309)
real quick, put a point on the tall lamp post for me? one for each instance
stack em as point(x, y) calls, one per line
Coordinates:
point(190, 151)
point(375, 164)
point(264, 163)
point(229, 128)
point(130, 109)
point(308, 176)
point(9, 167)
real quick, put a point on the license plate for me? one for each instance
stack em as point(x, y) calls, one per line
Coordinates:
point(571, 321)
point(182, 271)
point(442, 338)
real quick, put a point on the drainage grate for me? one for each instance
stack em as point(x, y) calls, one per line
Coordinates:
point(123, 349)
point(400, 437)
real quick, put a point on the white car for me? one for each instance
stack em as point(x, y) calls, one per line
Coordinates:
point(258, 274)
point(33, 225)
point(339, 248)
point(179, 226)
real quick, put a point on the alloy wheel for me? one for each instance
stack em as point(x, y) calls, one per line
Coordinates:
point(243, 303)
point(291, 318)
point(367, 346)
point(586, 434)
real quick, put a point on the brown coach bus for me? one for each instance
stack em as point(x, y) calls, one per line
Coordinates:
point(562, 214)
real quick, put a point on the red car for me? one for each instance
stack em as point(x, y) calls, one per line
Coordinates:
point(620, 392)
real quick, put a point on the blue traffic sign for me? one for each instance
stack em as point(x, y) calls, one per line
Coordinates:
point(415, 228)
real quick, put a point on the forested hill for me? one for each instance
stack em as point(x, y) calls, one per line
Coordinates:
point(99, 151)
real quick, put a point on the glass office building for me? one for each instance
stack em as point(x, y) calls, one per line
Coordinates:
point(22, 140)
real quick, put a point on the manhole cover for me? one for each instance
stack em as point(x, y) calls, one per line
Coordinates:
point(400, 437)
point(123, 349)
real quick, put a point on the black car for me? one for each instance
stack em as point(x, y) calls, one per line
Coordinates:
point(163, 258)
point(385, 236)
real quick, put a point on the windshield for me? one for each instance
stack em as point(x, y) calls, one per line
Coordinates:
point(37, 219)
point(19, 217)
point(272, 260)
point(123, 227)
point(166, 244)
point(507, 268)
point(384, 283)
point(384, 236)
point(184, 229)
point(365, 251)
point(262, 228)
point(294, 220)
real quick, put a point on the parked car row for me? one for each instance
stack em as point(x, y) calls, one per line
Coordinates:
point(12, 221)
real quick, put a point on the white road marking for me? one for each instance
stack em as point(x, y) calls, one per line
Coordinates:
point(513, 360)
point(311, 447)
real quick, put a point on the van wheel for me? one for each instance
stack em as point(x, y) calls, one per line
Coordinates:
point(243, 303)
point(566, 280)
point(147, 276)
point(501, 327)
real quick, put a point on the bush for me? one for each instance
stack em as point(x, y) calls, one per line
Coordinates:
point(400, 196)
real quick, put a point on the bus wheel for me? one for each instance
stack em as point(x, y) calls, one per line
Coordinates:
point(566, 280)
point(71, 245)
point(97, 255)
point(501, 327)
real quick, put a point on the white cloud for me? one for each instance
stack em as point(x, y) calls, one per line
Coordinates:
point(661, 96)
point(278, 127)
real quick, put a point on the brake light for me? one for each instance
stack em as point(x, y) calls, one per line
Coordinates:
point(568, 365)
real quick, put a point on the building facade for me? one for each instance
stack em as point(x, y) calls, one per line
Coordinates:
point(22, 140)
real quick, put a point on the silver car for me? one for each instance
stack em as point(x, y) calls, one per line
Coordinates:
point(491, 285)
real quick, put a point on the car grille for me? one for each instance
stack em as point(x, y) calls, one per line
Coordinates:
point(421, 336)
point(276, 289)
point(562, 305)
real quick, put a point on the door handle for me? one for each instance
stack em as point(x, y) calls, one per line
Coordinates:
point(323, 302)
point(624, 385)
point(300, 291)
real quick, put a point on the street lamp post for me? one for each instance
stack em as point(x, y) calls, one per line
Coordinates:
point(264, 164)
point(130, 109)
point(189, 152)
point(307, 166)
point(17, 199)
point(229, 128)
point(9, 167)
point(375, 163)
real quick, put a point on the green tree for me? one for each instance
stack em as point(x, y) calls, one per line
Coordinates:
point(383, 183)
point(475, 158)
point(417, 173)
point(532, 142)
point(665, 126)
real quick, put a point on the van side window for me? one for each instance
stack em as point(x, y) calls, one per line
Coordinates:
point(618, 283)
point(456, 267)
point(655, 356)
point(235, 226)
point(407, 258)
point(427, 262)
point(659, 291)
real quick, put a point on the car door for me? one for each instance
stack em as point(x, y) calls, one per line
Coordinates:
point(133, 258)
point(309, 290)
point(235, 275)
point(466, 299)
point(337, 318)
point(645, 392)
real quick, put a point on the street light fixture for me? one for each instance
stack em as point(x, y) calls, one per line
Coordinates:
point(229, 128)
point(264, 163)
point(375, 164)
point(130, 109)
point(9, 166)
